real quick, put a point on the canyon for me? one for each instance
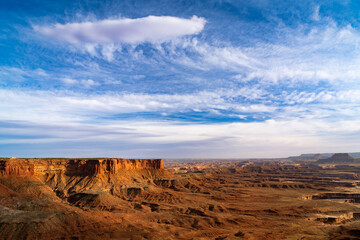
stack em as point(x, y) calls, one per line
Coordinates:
point(114, 198)
point(22, 167)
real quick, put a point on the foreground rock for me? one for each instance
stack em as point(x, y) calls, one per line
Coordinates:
point(51, 198)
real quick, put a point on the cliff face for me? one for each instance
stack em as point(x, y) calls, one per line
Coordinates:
point(75, 167)
point(16, 167)
point(67, 177)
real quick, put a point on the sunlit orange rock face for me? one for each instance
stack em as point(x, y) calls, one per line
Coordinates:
point(21, 167)
point(16, 167)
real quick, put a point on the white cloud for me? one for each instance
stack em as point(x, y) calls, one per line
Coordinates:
point(85, 83)
point(89, 83)
point(125, 30)
point(69, 81)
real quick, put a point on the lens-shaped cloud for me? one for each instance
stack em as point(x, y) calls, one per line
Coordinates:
point(125, 30)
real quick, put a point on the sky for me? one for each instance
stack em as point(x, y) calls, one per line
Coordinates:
point(179, 79)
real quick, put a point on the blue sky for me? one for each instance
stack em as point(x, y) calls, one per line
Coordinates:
point(177, 79)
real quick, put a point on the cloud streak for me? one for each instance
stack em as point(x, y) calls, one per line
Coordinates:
point(239, 105)
point(272, 138)
point(125, 30)
point(65, 106)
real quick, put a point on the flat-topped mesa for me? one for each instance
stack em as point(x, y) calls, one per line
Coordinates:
point(338, 158)
point(25, 167)
point(341, 156)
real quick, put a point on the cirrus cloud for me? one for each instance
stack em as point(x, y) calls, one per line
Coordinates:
point(124, 30)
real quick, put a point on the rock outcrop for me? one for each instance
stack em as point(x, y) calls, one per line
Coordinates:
point(71, 176)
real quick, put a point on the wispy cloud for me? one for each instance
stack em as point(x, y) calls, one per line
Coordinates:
point(65, 106)
point(316, 14)
point(327, 53)
point(168, 139)
point(8, 74)
point(306, 54)
point(242, 104)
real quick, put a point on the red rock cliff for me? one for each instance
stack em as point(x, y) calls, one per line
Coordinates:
point(25, 167)
point(16, 167)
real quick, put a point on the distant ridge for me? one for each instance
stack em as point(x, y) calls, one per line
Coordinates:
point(310, 156)
point(339, 158)
point(323, 155)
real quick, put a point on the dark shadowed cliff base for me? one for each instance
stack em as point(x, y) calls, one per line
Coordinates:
point(147, 199)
